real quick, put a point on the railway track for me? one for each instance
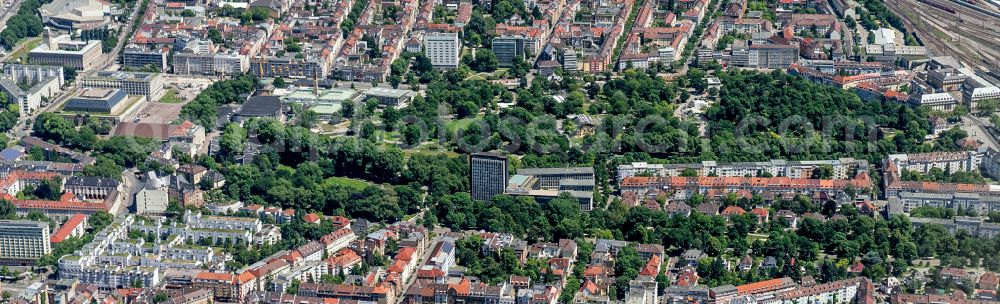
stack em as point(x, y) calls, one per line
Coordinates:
point(943, 26)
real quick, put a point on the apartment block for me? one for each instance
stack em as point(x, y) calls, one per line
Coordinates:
point(443, 49)
point(769, 188)
point(23, 242)
point(773, 56)
point(843, 168)
point(151, 201)
point(34, 73)
point(950, 162)
point(210, 64)
point(974, 226)
point(289, 67)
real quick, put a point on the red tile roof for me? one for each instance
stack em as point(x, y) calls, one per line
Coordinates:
point(212, 276)
point(68, 228)
point(733, 210)
point(311, 218)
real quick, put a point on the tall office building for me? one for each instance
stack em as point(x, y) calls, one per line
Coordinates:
point(23, 242)
point(507, 48)
point(488, 175)
point(442, 49)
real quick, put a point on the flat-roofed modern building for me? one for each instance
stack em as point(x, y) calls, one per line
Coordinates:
point(190, 63)
point(151, 201)
point(507, 48)
point(23, 242)
point(390, 97)
point(35, 73)
point(443, 49)
point(289, 66)
point(66, 52)
point(774, 56)
point(30, 99)
point(97, 100)
point(133, 83)
point(553, 177)
point(488, 175)
point(139, 59)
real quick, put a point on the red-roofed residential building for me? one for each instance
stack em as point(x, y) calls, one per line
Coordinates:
point(855, 290)
point(773, 285)
point(338, 239)
point(246, 282)
point(763, 215)
point(688, 277)
point(989, 280)
point(343, 261)
point(74, 227)
point(287, 215)
point(340, 221)
point(733, 210)
point(856, 268)
point(405, 263)
point(652, 267)
point(312, 218)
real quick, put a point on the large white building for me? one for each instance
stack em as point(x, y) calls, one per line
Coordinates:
point(843, 168)
point(23, 242)
point(133, 83)
point(950, 162)
point(115, 259)
point(935, 101)
point(66, 52)
point(443, 49)
point(151, 201)
point(76, 14)
point(31, 99)
point(972, 96)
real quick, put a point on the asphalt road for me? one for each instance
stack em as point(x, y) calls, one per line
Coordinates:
point(8, 12)
point(975, 126)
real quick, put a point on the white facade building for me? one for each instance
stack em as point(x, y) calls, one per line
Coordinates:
point(443, 49)
point(151, 201)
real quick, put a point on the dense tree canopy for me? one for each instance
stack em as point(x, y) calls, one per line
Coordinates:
point(204, 109)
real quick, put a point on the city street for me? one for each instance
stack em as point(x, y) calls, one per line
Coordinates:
point(976, 127)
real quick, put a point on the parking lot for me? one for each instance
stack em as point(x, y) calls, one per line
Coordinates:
point(158, 112)
point(181, 87)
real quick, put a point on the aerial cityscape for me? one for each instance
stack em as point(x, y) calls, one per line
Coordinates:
point(500, 151)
